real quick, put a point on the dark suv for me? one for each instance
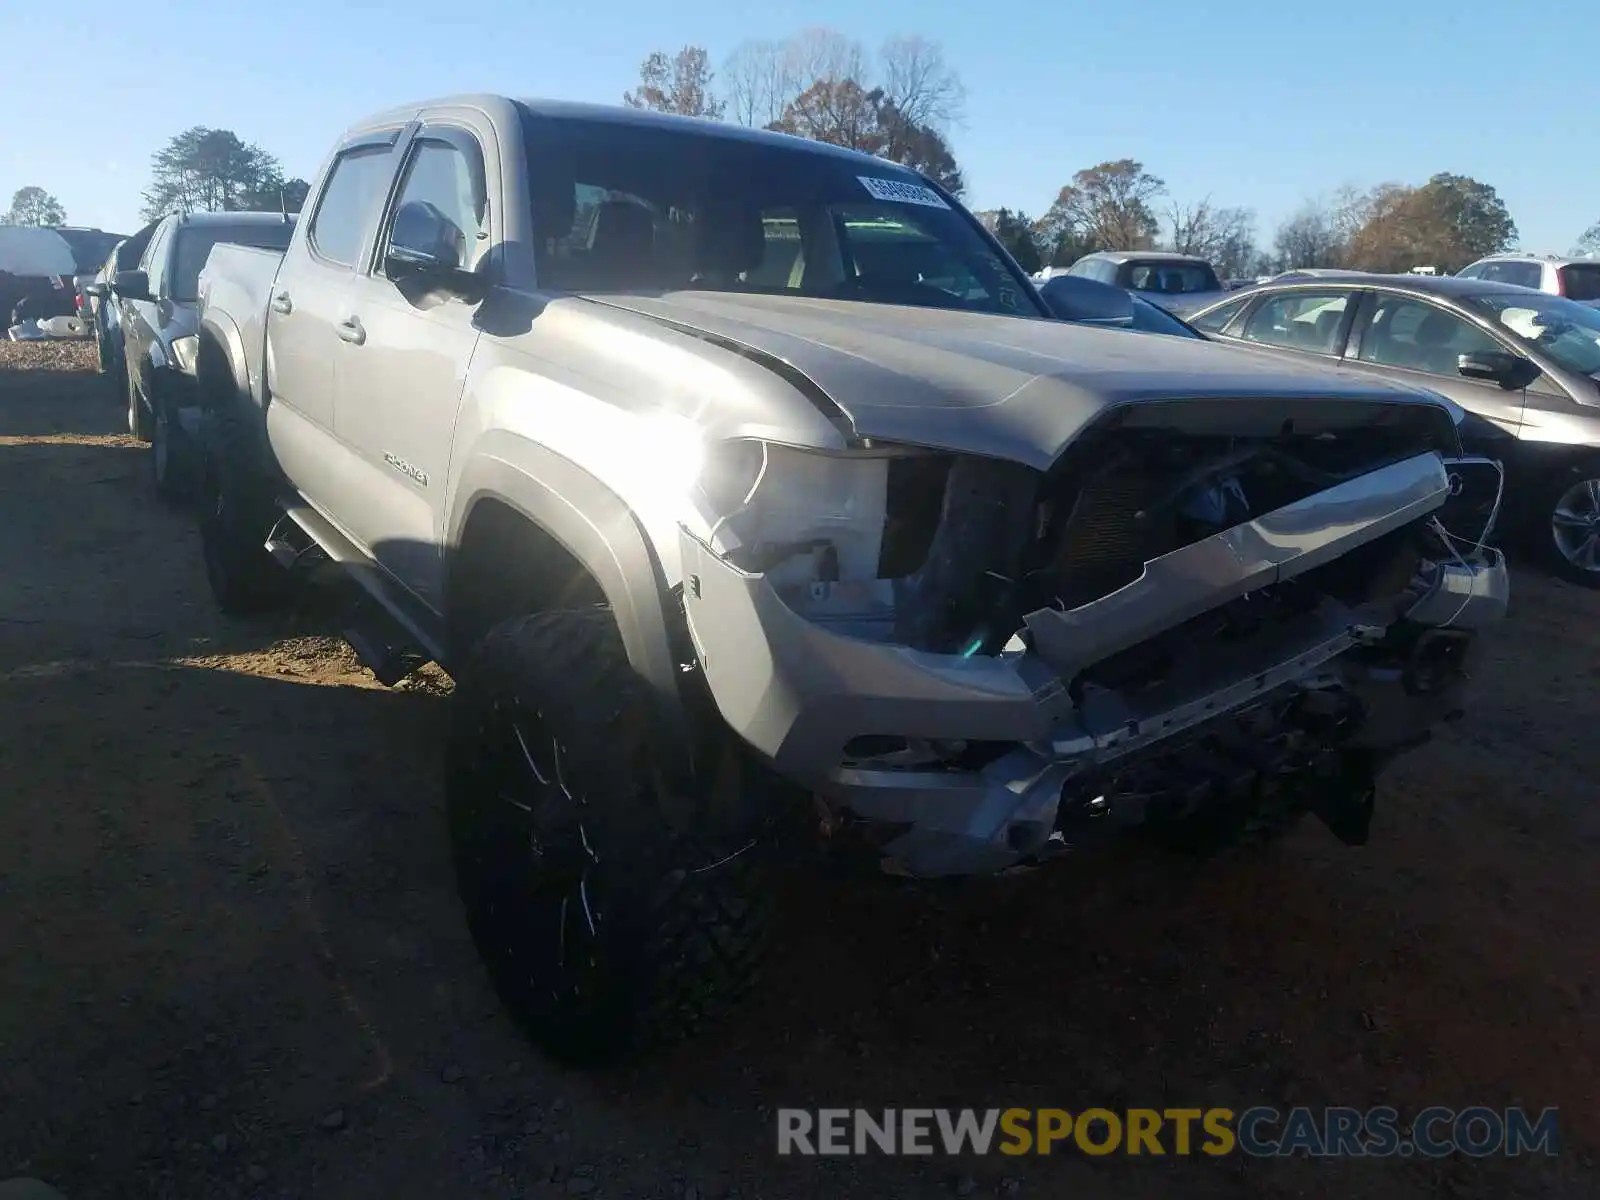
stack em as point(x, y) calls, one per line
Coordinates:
point(158, 302)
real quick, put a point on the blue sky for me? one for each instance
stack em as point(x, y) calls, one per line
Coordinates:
point(1254, 103)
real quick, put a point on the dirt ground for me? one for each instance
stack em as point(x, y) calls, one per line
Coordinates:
point(232, 962)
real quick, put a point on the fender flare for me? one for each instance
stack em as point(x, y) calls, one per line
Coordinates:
point(222, 330)
point(598, 529)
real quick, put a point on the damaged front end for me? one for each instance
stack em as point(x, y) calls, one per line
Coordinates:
point(1203, 620)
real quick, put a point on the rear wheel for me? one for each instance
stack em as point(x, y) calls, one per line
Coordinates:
point(236, 513)
point(610, 919)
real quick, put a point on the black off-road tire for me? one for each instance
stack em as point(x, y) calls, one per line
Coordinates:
point(140, 421)
point(116, 373)
point(172, 457)
point(236, 512)
point(612, 919)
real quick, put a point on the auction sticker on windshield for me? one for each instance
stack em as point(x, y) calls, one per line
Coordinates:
point(903, 193)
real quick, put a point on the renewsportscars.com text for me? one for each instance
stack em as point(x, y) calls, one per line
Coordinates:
point(1260, 1132)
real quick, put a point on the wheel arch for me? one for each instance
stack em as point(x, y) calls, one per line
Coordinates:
point(529, 528)
point(220, 361)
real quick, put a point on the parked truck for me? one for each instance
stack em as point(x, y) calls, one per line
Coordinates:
point(734, 476)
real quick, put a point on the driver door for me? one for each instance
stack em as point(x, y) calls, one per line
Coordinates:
point(402, 363)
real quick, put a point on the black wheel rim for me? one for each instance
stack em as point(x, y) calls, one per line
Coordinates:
point(530, 872)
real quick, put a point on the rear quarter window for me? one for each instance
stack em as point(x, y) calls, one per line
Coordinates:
point(1581, 281)
point(1215, 320)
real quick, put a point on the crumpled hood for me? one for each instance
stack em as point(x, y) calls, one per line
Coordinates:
point(1009, 387)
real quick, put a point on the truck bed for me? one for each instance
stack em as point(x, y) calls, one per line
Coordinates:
point(235, 287)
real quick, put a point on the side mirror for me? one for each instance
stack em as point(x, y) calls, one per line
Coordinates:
point(1075, 298)
point(1497, 366)
point(131, 285)
point(427, 248)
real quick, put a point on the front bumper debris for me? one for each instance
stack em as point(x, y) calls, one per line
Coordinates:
point(799, 694)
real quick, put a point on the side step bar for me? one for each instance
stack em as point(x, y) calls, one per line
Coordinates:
point(391, 642)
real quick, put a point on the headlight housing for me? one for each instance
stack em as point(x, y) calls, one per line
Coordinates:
point(819, 525)
point(185, 353)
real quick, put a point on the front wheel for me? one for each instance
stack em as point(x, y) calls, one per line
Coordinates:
point(140, 421)
point(171, 457)
point(1569, 512)
point(607, 923)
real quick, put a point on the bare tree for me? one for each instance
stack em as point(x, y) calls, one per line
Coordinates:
point(1312, 237)
point(1589, 241)
point(824, 54)
point(1223, 236)
point(759, 79)
point(1193, 227)
point(1351, 208)
point(1234, 252)
point(680, 84)
point(917, 80)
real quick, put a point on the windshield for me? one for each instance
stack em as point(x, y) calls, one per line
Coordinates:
point(1171, 278)
point(636, 208)
point(1581, 281)
point(194, 245)
point(1566, 332)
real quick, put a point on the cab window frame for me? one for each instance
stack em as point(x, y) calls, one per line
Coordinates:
point(381, 146)
point(437, 133)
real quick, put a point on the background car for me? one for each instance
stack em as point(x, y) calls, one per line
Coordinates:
point(1090, 302)
point(1179, 283)
point(158, 323)
point(33, 263)
point(1574, 278)
point(1525, 364)
point(105, 313)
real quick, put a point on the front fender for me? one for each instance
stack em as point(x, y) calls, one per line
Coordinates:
point(598, 529)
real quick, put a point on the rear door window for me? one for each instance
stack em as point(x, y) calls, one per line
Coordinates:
point(1308, 321)
point(1215, 320)
point(1581, 281)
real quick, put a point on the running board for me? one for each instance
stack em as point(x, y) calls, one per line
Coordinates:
point(388, 664)
point(382, 654)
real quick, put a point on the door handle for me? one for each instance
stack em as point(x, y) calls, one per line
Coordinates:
point(282, 304)
point(350, 330)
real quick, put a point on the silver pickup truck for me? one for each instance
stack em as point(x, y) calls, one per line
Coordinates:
point(735, 477)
